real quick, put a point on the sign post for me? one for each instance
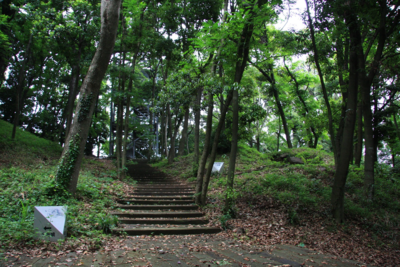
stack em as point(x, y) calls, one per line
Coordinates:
point(50, 222)
point(218, 167)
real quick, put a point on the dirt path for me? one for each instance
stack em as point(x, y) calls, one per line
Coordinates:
point(186, 250)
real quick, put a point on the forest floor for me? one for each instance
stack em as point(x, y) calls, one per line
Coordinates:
point(281, 203)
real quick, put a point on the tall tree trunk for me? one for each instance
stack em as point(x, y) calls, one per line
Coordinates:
point(229, 195)
point(20, 88)
point(171, 154)
point(120, 120)
point(162, 134)
point(167, 129)
point(182, 142)
point(365, 85)
point(213, 154)
point(270, 77)
point(348, 121)
point(70, 162)
point(203, 160)
point(241, 62)
point(297, 86)
point(321, 78)
point(359, 144)
point(397, 126)
point(72, 94)
point(278, 134)
point(197, 110)
point(283, 117)
point(126, 127)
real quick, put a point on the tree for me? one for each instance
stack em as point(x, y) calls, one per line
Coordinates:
point(69, 166)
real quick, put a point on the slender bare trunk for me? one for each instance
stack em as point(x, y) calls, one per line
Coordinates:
point(229, 195)
point(196, 109)
point(359, 144)
point(182, 142)
point(203, 160)
point(167, 128)
point(397, 126)
point(171, 154)
point(283, 117)
point(20, 88)
point(126, 128)
point(345, 140)
point(206, 179)
point(321, 78)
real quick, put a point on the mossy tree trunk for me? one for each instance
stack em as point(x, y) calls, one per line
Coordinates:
point(71, 159)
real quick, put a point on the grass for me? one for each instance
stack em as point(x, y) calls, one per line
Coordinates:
point(26, 149)
point(27, 169)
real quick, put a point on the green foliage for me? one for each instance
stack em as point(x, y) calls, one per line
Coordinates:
point(223, 219)
point(309, 155)
point(21, 190)
point(67, 166)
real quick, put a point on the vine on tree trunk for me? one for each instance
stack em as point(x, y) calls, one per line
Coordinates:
point(66, 166)
point(85, 107)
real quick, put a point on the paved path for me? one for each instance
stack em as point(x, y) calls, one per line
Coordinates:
point(190, 250)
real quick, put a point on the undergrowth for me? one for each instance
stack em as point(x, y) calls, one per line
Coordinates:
point(304, 188)
point(21, 189)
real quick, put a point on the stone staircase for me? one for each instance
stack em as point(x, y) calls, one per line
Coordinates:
point(160, 205)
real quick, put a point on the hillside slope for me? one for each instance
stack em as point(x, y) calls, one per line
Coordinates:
point(27, 168)
point(26, 148)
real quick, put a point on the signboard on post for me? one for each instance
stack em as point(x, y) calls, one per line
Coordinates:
point(50, 222)
point(218, 167)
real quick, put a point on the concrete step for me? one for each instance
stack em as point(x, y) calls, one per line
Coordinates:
point(168, 231)
point(177, 194)
point(160, 198)
point(170, 188)
point(158, 207)
point(158, 214)
point(163, 221)
point(155, 201)
point(156, 192)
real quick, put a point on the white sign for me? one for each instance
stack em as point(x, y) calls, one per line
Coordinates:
point(218, 167)
point(50, 222)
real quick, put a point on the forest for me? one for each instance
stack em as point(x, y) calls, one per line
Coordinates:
point(164, 79)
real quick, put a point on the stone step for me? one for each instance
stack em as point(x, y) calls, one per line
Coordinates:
point(160, 198)
point(158, 207)
point(162, 191)
point(164, 221)
point(168, 231)
point(172, 188)
point(160, 183)
point(157, 192)
point(155, 214)
point(163, 194)
point(155, 201)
